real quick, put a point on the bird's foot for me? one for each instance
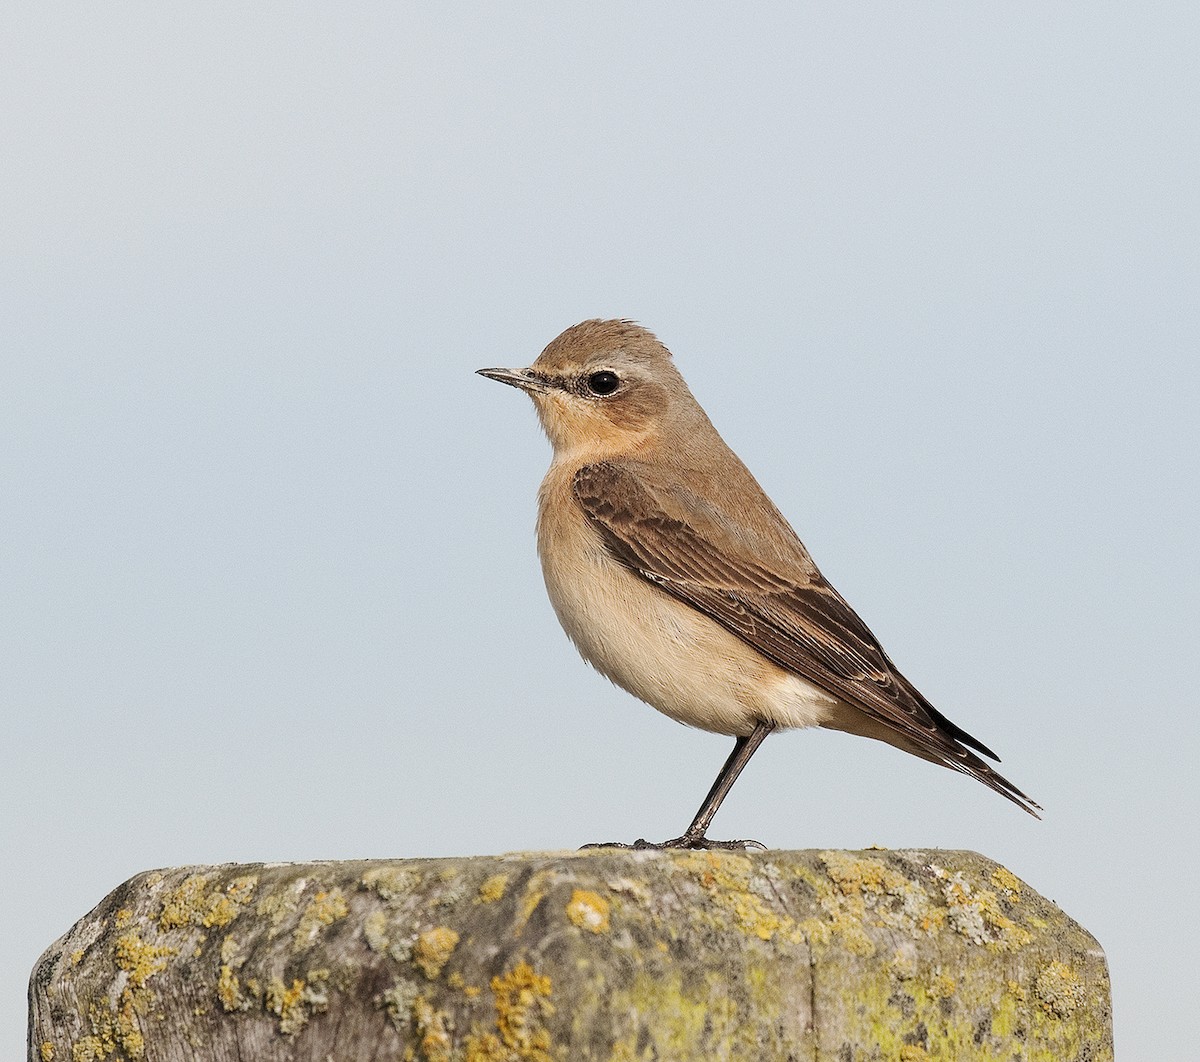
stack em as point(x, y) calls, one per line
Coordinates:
point(692, 841)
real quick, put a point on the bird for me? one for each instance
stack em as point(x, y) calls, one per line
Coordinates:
point(676, 577)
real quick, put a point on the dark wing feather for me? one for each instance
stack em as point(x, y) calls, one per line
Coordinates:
point(781, 606)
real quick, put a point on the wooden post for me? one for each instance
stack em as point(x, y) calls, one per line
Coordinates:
point(606, 955)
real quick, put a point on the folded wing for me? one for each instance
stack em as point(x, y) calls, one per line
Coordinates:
point(765, 589)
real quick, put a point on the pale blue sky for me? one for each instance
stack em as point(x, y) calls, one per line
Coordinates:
point(266, 554)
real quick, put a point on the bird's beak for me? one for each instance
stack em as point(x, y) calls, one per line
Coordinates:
point(525, 379)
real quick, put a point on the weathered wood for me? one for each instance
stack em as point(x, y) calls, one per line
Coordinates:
point(605, 955)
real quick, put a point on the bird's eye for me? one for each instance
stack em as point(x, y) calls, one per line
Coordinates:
point(603, 382)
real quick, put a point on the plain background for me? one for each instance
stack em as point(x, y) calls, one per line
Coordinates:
point(268, 588)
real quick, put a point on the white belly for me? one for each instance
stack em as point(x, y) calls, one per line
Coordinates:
point(659, 649)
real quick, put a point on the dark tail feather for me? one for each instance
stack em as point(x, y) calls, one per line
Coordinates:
point(952, 730)
point(969, 764)
point(959, 734)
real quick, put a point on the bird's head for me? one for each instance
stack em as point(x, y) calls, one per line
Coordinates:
point(604, 388)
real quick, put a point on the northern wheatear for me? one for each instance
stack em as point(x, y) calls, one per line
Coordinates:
point(677, 578)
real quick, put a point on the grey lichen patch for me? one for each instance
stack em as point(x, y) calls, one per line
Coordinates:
point(279, 904)
point(977, 914)
point(398, 1001)
point(376, 931)
point(385, 936)
point(455, 887)
point(905, 962)
point(638, 891)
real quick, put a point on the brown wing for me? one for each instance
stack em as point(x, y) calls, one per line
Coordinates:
point(772, 598)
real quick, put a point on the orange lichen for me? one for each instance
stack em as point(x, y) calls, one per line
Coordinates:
point(433, 949)
point(588, 910)
point(322, 910)
point(522, 1006)
point(493, 888)
point(432, 1029)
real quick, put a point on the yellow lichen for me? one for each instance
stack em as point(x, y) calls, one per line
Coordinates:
point(1058, 989)
point(190, 902)
point(323, 909)
point(229, 948)
point(432, 1028)
point(286, 1003)
point(47, 1051)
point(493, 888)
point(184, 902)
point(101, 1040)
point(224, 909)
point(1008, 884)
point(684, 1018)
point(858, 891)
point(229, 990)
point(943, 986)
point(856, 875)
point(123, 917)
point(276, 907)
point(391, 882)
point(141, 960)
point(588, 910)
point(91, 1048)
point(457, 981)
point(433, 949)
point(528, 905)
point(76, 956)
point(293, 1004)
point(730, 882)
point(522, 1006)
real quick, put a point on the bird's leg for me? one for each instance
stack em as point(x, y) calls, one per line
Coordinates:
point(743, 749)
point(693, 836)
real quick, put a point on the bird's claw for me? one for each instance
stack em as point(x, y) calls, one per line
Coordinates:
point(692, 842)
